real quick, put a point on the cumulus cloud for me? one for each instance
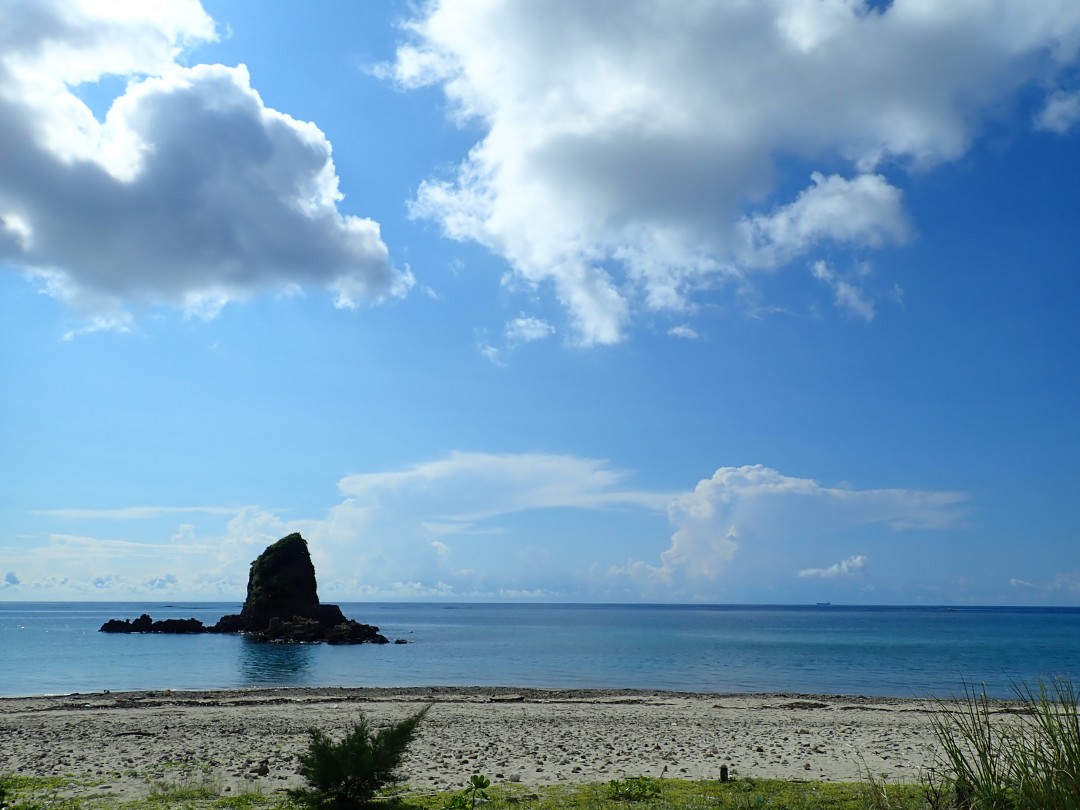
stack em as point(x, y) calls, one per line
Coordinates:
point(475, 524)
point(10, 580)
point(750, 506)
point(190, 191)
point(632, 157)
point(845, 568)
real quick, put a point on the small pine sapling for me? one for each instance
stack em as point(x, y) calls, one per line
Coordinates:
point(346, 775)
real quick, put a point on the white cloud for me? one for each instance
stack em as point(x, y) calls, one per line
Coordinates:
point(865, 211)
point(469, 487)
point(846, 294)
point(743, 507)
point(1067, 582)
point(191, 192)
point(161, 583)
point(492, 354)
point(499, 519)
point(625, 148)
point(525, 329)
point(136, 512)
point(1060, 113)
point(520, 330)
point(855, 564)
point(684, 331)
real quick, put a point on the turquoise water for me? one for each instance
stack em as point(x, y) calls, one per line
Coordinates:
point(55, 648)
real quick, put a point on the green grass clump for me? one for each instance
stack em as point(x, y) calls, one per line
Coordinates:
point(634, 789)
point(187, 790)
point(35, 793)
point(1028, 761)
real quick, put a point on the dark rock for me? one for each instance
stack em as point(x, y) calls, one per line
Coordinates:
point(282, 606)
point(144, 624)
point(329, 615)
point(179, 626)
point(228, 624)
point(353, 632)
point(281, 583)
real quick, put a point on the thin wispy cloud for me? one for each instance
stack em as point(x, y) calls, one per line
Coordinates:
point(845, 568)
point(138, 512)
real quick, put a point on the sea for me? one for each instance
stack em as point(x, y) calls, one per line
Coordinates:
point(56, 648)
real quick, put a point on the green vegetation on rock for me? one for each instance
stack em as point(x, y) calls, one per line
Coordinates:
point(281, 584)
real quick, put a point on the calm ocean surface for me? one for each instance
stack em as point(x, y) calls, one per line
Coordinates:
point(55, 648)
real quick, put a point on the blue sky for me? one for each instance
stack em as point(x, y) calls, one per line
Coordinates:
point(555, 301)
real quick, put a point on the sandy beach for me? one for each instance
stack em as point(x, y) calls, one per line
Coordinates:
point(250, 739)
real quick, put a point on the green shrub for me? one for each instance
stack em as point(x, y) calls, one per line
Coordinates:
point(634, 789)
point(474, 794)
point(346, 775)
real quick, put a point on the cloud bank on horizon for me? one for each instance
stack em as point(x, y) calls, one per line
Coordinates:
point(448, 528)
point(632, 161)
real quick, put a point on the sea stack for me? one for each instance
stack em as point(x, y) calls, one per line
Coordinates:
point(282, 605)
point(282, 602)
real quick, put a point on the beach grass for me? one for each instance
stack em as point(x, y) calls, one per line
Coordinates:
point(1021, 756)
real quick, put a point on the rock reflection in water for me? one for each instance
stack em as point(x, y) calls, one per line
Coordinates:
point(263, 664)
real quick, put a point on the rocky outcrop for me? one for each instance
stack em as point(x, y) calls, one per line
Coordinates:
point(144, 624)
point(281, 584)
point(282, 606)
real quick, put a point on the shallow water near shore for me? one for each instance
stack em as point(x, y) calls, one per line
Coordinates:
point(55, 648)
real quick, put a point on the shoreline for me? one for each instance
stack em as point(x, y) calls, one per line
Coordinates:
point(248, 739)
